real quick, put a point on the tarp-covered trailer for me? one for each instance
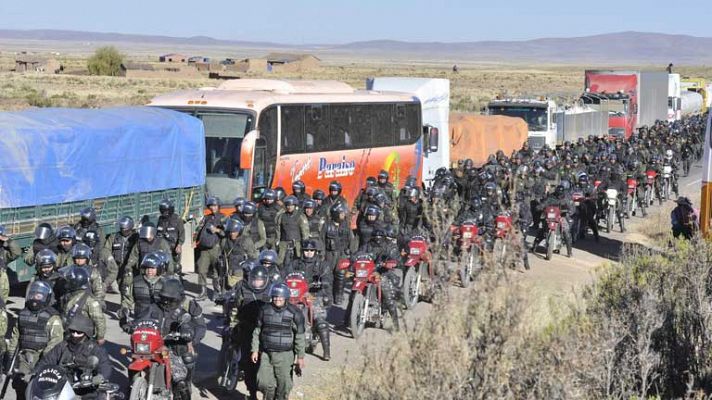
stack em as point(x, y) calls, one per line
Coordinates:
point(477, 136)
point(121, 161)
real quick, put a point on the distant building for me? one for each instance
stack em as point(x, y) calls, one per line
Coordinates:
point(35, 63)
point(173, 58)
point(138, 70)
point(246, 65)
point(199, 60)
point(291, 62)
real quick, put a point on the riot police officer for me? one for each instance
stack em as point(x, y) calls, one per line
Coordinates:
point(148, 242)
point(46, 271)
point(253, 227)
point(559, 198)
point(318, 275)
point(78, 300)
point(38, 329)
point(277, 340)
point(82, 256)
point(267, 213)
point(292, 229)
point(121, 244)
point(9, 252)
point(102, 260)
point(335, 196)
point(242, 308)
point(236, 248)
point(168, 311)
point(146, 286)
point(170, 228)
point(383, 247)
point(368, 225)
point(87, 222)
point(66, 238)
point(411, 214)
point(45, 238)
point(386, 187)
point(209, 234)
point(338, 243)
point(316, 223)
point(299, 191)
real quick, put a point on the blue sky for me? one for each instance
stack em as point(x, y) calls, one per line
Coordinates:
point(339, 21)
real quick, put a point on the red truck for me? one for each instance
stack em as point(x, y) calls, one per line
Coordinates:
point(633, 98)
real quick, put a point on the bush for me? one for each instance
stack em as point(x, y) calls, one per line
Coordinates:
point(643, 330)
point(105, 61)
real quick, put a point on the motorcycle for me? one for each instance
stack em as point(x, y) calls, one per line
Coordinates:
point(650, 176)
point(467, 250)
point(503, 230)
point(417, 266)
point(554, 236)
point(667, 182)
point(632, 196)
point(61, 383)
point(578, 199)
point(151, 371)
point(365, 304)
point(299, 296)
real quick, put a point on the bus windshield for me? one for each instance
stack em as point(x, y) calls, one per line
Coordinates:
point(535, 117)
point(223, 140)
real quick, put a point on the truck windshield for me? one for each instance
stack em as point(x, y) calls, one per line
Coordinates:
point(535, 117)
point(223, 140)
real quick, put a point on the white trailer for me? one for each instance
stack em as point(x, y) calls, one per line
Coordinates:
point(434, 96)
point(674, 91)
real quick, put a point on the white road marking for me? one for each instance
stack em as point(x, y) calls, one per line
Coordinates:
point(694, 183)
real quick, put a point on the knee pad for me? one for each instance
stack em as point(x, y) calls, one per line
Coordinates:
point(322, 325)
point(189, 359)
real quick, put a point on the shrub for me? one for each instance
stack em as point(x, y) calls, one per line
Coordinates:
point(105, 61)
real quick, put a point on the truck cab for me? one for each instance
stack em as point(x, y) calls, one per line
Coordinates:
point(538, 114)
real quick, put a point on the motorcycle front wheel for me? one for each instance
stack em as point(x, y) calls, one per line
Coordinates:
point(550, 244)
point(356, 318)
point(410, 288)
point(467, 269)
point(139, 388)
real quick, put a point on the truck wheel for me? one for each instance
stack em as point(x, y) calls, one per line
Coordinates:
point(356, 318)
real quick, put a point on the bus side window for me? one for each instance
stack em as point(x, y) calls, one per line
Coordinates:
point(292, 129)
point(268, 138)
point(316, 126)
point(361, 119)
point(383, 124)
point(340, 123)
point(407, 123)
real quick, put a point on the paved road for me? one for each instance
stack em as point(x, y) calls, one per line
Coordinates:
point(553, 279)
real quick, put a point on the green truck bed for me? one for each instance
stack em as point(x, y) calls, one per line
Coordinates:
point(20, 222)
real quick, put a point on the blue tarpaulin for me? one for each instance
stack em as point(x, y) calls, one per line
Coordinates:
point(57, 155)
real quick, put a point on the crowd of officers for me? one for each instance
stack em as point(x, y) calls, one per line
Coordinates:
point(249, 253)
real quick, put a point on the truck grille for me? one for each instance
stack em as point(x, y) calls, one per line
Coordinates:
point(536, 142)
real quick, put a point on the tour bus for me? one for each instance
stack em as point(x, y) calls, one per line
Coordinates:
point(268, 133)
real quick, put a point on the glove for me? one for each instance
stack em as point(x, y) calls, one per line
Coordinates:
point(186, 334)
point(98, 380)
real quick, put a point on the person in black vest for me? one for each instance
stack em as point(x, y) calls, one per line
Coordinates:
point(277, 340)
point(145, 286)
point(87, 222)
point(293, 227)
point(338, 242)
point(45, 238)
point(148, 242)
point(267, 213)
point(210, 232)
point(46, 271)
point(170, 228)
point(38, 329)
point(236, 248)
point(121, 244)
point(254, 227)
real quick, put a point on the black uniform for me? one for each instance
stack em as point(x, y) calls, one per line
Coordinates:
point(171, 229)
point(338, 239)
point(267, 213)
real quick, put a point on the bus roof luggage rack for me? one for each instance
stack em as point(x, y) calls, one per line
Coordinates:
point(286, 86)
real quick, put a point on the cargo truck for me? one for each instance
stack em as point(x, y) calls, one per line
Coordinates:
point(552, 125)
point(674, 101)
point(478, 136)
point(121, 161)
point(697, 85)
point(635, 98)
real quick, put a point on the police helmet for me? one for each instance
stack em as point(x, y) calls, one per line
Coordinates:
point(309, 203)
point(125, 223)
point(279, 290)
point(269, 194)
point(81, 250)
point(371, 191)
point(249, 208)
point(39, 295)
point(172, 292)
point(258, 278)
point(298, 187)
point(318, 195)
point(281, 194)
point(371, 182)
point(155, 259)
point(87, 215)
point(413, 192)
point(411, 181)
point(234, 225)
point(239, 202)
point(335, 186)
point(166, 207)
point(212, 201)
point(309, 244)
point(268, 257)
point(373, 210)
point(77, 277)
point(148, 231)
point(66, 233)
point(291, 201)
point(383, 175)
point(44, 258)
point(336, 210)
point(43, 231)
point(391, 231)
point(378, 234)
point(83, 324)
point(91, 238)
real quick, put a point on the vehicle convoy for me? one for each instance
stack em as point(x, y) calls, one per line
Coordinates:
point(634, 98)
point(477, 136)
point(120, 161)
point(262, 133)
point(552, 125)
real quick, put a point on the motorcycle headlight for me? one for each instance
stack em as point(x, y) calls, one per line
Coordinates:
point(142, 348)
point(551, 215)
point(501, 225)
point(467, 235)
point(414, 251)
point(361, 273)
point(293, 292)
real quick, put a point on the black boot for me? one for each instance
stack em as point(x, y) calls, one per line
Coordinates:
point(325, 343)
point(394, 314)
point(526, 262)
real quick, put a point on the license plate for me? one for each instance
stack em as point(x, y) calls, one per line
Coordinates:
point(467, 235)
point(501, 225)
point(293, 292)
point(576, 203)
point(551, 215)
point(415, 251)
point(361, 273)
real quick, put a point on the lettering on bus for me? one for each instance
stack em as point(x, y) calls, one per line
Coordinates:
point(329, 170)
point(297, 172)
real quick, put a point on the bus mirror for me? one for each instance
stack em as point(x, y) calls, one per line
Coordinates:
point(431, 135)
point(248, 149)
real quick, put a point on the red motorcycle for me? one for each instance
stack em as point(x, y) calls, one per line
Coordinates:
point(365, 304)
point(503, 230)
point(299, 296)
point(650, 177)
point(632, 193)
point(417, 269)
point(554, 237)
point(467, 250)
point(150, 372)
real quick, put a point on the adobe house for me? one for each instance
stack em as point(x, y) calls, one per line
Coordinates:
point(35, 63)
point(173, 58)
point(291, 62)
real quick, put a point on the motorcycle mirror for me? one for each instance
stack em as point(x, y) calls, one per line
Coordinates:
point(185, 318)
point(93, 362)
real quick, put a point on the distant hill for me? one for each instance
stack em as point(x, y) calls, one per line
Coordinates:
point(614, 48)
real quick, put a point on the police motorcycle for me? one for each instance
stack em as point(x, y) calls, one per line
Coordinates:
point(66, 382)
